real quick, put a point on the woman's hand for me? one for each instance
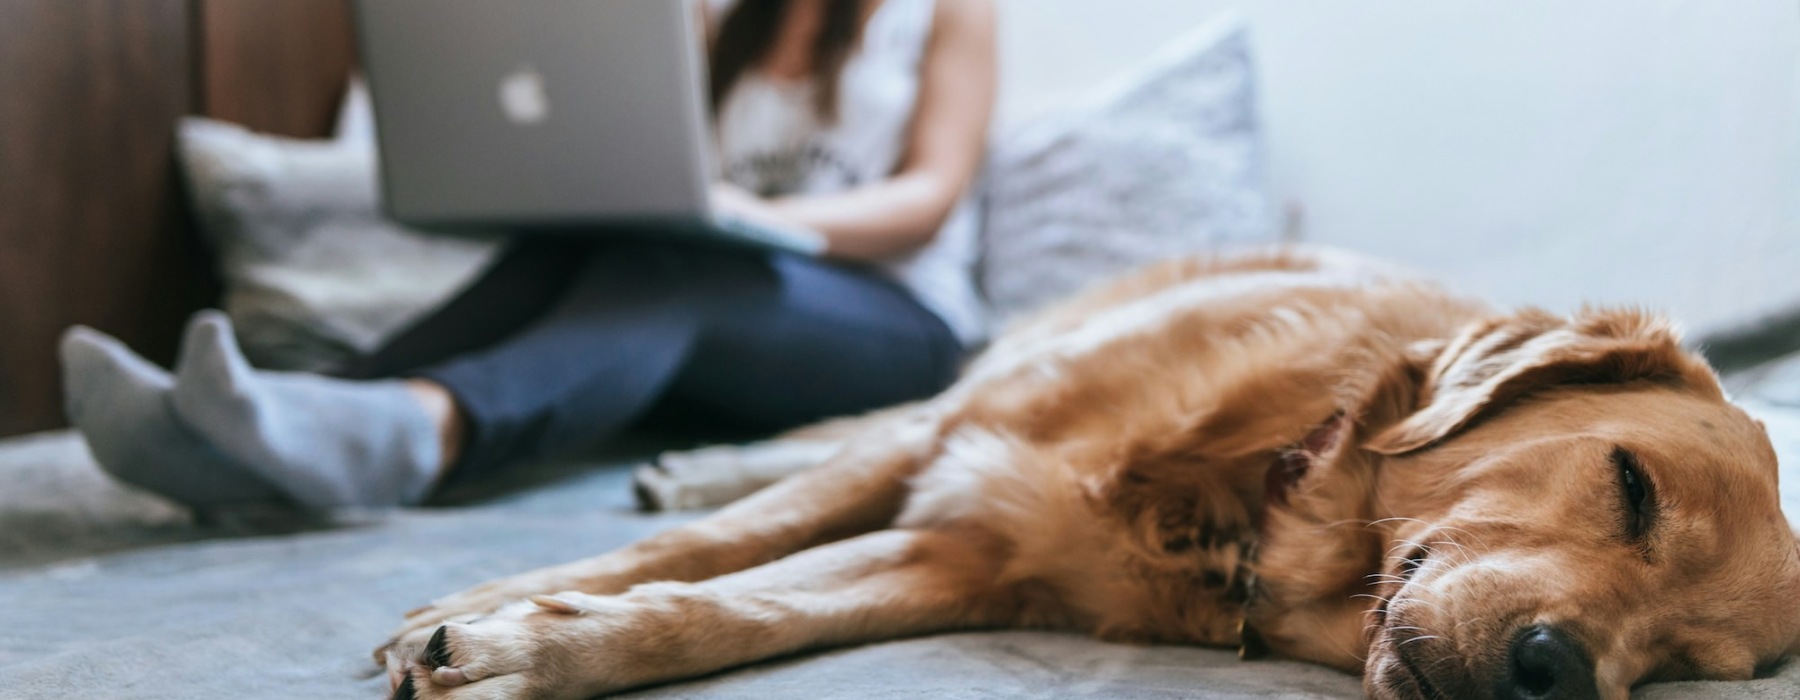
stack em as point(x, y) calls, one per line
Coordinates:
point(731, 201)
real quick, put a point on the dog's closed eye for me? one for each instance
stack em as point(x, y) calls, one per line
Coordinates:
point(1413, 561)
point(1638, 493)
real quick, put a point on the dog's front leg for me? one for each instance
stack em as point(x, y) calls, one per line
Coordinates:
point(878, 586)
point(859, 490)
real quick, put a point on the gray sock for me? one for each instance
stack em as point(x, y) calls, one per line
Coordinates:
point(120, 402)
point(324, 441)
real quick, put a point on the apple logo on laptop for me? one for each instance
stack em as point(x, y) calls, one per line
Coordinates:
point(522, 96)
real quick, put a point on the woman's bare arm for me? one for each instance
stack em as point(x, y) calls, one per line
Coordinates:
point(943, 152)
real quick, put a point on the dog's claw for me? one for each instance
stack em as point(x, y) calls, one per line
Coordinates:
point(436, 652)
point(405, 691)
point(554, 604)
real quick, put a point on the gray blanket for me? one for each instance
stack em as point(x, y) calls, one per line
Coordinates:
point(106, 593)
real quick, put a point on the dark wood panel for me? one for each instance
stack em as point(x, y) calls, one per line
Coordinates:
point(93, 226)
point(92, 229)
point(277, 66)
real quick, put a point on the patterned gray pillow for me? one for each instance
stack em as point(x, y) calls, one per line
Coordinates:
point(1165, 160)
point(313, 274)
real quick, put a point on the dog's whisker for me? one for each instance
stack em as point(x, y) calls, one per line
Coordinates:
point(1420, 638)
point(1461, 623)
point(1451, 529)
point(1441, 660)
point(1400, 545)
point(1399, 604)
point(1408, 545)
point(1460, 547)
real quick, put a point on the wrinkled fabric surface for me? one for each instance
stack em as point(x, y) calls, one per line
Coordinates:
point(107, 593)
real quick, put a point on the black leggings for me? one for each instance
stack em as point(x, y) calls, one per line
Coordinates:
point(563, 343)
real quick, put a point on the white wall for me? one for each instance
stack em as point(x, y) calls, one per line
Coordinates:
point(1053, 50)
point(1643, 151)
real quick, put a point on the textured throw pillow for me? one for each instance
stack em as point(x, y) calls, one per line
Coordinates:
point(314, 275)
point(1165, 160)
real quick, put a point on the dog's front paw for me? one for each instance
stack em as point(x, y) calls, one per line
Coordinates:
point(459, 607)
point(524, 650)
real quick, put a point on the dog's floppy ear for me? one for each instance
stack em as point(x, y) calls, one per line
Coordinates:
point(1492, 362)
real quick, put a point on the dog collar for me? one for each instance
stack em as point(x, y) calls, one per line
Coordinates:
point(1250, 642)
point(1289, 467)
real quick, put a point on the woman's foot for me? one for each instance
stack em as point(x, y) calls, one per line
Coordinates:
point(324, 441)
point(121, 404)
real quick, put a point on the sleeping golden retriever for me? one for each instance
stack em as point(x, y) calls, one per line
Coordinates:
point(1293, 452)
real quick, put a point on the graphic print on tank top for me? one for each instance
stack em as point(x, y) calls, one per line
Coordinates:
point(772, 142)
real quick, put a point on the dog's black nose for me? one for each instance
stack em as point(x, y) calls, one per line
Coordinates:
point(1547, 664)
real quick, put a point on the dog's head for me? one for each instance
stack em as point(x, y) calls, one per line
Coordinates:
point(1591, 513)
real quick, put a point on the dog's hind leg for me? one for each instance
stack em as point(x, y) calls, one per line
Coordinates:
point(877, 586)
point(859, 490)
point(714, 476)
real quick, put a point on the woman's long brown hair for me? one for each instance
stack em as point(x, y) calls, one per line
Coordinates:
point(747, 34)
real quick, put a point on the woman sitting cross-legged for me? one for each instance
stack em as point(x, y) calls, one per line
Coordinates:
point(862, 120)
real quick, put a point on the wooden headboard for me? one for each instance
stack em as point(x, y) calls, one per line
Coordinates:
point(93, 226)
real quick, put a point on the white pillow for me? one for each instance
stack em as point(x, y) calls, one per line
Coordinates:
point(314, 275)
point(1164, 160)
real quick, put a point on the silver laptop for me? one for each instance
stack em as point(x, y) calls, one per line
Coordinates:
point(546, 114)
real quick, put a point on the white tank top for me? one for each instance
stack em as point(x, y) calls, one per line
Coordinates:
point(771, 142)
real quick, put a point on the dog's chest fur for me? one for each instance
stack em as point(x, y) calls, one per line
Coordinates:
point(1132, 488)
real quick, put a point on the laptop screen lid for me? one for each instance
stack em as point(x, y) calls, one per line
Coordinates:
point(537, 113)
